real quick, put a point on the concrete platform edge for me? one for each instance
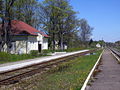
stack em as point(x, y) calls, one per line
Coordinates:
point(39, 60)
point(91, 72)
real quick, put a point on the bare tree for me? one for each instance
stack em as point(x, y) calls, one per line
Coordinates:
point(85, 31)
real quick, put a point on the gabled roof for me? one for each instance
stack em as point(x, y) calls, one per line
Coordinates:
point(19, 27)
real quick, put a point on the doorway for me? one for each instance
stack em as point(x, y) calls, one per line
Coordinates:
point(39, 48)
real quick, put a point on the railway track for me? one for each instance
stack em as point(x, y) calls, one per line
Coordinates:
point(14, 76)
point(108, 78)
point(115, 52)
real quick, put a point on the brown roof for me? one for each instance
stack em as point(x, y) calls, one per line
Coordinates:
point(19, 27)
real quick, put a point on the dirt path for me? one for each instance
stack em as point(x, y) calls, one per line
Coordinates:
point(109, 78)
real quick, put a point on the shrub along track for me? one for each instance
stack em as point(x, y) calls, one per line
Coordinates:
point(12, 77)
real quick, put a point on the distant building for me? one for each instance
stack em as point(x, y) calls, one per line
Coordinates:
point(26, 38)
point(98, 45)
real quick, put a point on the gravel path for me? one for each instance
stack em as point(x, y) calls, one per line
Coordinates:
point(109, 78)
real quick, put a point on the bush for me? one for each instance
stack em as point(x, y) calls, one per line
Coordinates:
point(59, 50)
point(51, 51)
point(74, 49)
point(4, 56)
point(34, 52)
point(47, 51)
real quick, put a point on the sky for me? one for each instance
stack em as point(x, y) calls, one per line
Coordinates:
point(103, 15)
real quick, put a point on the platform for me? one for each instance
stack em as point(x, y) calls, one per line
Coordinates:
point(109, 77)
point(24, 63)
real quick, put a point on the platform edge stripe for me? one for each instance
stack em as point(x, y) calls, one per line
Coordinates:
point(118, 59)
point(91, 72)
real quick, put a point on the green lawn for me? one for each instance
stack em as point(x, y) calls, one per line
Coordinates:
point(68, 76)
point(5, 57)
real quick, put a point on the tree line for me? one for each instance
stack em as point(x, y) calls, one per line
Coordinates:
point(55, 17)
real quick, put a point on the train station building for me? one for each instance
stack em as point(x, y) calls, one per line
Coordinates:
point(26, 38)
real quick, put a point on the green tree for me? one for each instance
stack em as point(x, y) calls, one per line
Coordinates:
point(25, 10)
point(6, 15)
point(59, 20)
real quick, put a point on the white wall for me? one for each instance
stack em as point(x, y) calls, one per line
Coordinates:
point(45, 43)
point(32, 46)
point(32, 43)
point(25, 46)
point(20, 47)
point(42, 40)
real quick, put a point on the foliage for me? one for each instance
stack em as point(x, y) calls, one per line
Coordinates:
point(55, 17)
point(60, 22)
point(25, 10)
point(66, 50)
point(34, 52)
point(4, 56)
point(75, 49)
point(14, 9)
point(5, 18)
point(85, 32)
point(47, 51)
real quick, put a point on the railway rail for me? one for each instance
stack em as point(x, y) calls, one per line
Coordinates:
point(115, 51)
point(108, 78)
point(14, 76)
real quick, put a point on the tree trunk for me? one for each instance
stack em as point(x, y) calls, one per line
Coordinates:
point(53, 41)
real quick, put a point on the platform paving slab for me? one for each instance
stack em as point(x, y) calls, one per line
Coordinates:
point(109, 77)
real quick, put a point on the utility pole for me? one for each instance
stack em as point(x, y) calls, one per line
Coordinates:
point(102, 42)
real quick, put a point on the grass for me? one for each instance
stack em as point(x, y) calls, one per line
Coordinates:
point(5, 57)
point(67, 50)
point(67, 76)
point(75, 49)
